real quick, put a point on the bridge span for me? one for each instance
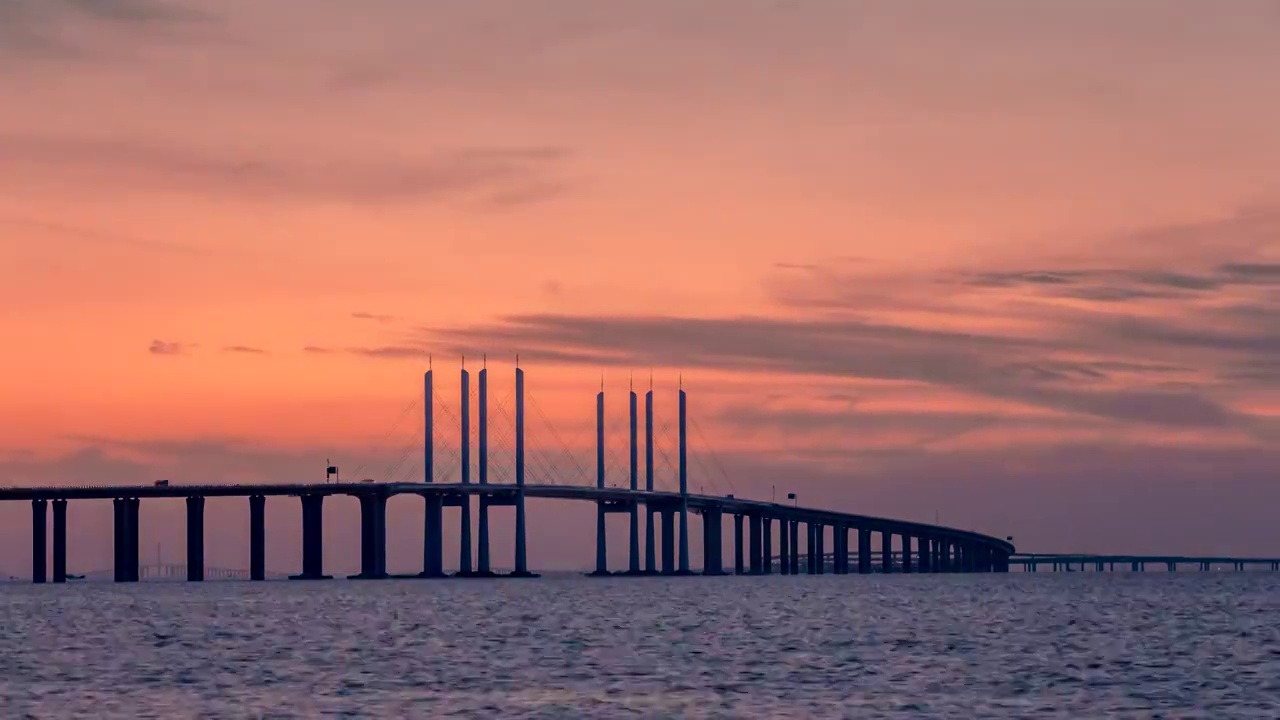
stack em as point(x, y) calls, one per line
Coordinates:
point(1081, 562)
point(914, 547)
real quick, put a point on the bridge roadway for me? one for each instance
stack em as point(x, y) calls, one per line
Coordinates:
point(921, 547)
point(1136, 563)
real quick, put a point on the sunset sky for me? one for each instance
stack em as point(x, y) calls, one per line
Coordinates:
point(1012, 265)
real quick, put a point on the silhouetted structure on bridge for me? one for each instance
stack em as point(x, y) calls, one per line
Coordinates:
point(903, 546)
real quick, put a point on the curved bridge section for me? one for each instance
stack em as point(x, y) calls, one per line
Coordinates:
point(659, 521)
point(757, 529)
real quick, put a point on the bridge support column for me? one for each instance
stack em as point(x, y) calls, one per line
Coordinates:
point(835, 550)
point(766, 545)
point(795, 546)
point(433, 536)
point(886, 552)
point(712, 543)
point(906, 553)
point(842, 549)
point(811, 549)
point(753, 531)
point(312, 538)
point(39, 538)
point(134, 506)
point(633, 551)
point(944, 556)
point(650, 543)
point(602, 559)
point(117, 526)
point(59, 541)
point(482, 539)
point(195, 539)
point(925, 546)
point(737, 544)
point(784, 546)
point(819, 537)
point(864, 551)
point(126, 536)
point(373, 537)
point(257, 537)
point(668, 542)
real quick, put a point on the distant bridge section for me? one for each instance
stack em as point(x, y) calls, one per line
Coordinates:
point(1068, 562)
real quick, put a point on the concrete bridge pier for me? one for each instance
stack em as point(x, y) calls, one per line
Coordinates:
point(712, 542)
point(783, 551)
point(766, 545)
point(126, 539)
point(906, 553)
point(39, 535)
point(59, 541)
point(483, 561)
point(118, 527)
point(373, 537)
point(668, 541)
point(195, 538)
point(795, 546)
point(864, 551)
point(602, 556)
point(433, 536)
point(650, 543)
point(925, 549)
point(257, 537)
point(886, 552)
point(312, 538)
point(837, 545)
point(737, 544)
point(819, 537)
point(810, 550)
point(754, 543)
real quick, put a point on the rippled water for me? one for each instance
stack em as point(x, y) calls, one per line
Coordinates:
point(1043, 645)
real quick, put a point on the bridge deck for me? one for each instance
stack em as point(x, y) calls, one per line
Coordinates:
point(696, 503)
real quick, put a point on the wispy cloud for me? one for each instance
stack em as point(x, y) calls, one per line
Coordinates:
point(1159, 345)
point(65, 29)
point(376, 317)
point(162, 347)
point(395, 352)
point(476, 173)
point(244, 350)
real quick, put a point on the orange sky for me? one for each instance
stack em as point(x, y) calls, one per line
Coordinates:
point(906, 255)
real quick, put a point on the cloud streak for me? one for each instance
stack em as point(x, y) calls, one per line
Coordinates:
point(1153, 345)
point(474, 174)
point(66, 29)
point(168, 348)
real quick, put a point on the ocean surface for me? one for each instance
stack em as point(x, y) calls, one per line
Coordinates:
point(1185, 645)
